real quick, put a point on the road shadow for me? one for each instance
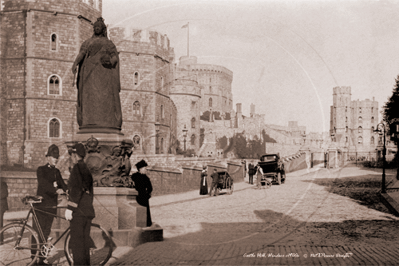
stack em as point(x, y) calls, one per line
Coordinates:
point(226, 243)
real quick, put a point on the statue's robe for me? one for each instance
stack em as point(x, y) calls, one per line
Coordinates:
point(98, 86)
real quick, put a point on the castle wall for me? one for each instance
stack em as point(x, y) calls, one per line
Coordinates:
point(29, 58)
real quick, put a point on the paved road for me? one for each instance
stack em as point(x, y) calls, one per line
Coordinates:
point(302, 222)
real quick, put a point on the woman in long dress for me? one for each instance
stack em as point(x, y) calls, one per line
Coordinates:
point(204, 184)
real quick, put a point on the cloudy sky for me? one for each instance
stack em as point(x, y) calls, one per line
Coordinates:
point(286, 56)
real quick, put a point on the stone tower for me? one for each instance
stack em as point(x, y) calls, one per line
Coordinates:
point(352, 122)
point(340, 115)
point(149, 114)
point(39, 41)
point(186, 94)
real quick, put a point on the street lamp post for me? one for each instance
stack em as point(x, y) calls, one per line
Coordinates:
point(384, 151)
point(157, 124)
point(184, 136)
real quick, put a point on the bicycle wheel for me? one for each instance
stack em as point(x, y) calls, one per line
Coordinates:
point(101, 246)
point(13, 254)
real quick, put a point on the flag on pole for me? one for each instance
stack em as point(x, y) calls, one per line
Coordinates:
point(185, 26)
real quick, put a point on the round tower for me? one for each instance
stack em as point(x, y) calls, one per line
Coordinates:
point(216, 82)
point(39, 42)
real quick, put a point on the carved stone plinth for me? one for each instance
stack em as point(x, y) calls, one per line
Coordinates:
point(108, 158)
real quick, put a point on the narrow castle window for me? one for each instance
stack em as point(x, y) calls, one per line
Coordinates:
point(372, 129)
point(96, 4)
point(193, 122)
point(162, 112)
point(136, 108)
point(359, 140)
point(161, 82)
point(346, 139)
point(53, 44)
point(360, 119)
point(372, 140)
point(372, 120)
point(54, 85)
point(161, 148)
point(54, 128)
point(136, 78)
point(192, 139)
point(360, 110)
point(360, 130)
point(372, 109)
point(346, 119)
point(346, 129)
point(210, 102)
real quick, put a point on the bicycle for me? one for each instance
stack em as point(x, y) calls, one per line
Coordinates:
point(16, 240)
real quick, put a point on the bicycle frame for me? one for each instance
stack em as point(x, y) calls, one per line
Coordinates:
point(32, 210)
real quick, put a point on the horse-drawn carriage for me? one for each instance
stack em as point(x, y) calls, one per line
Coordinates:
point(225, 181)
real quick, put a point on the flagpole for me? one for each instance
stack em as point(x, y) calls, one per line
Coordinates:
point(188, 39)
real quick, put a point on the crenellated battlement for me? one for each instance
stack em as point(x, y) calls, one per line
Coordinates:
point(342, 90)
point(140, 40)
point(75, 7)
point(212, 68)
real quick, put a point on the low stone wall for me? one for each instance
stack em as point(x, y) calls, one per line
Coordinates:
point(281, 148)
point(295, 162)
point(19, 185)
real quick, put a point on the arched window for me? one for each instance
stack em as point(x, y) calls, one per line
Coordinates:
point(192, 139)
point(193, 122)
point(161, 148)
point(372, 109)
point(372, 129)
point(54, 128)
point(210, 89)
point(346, 108)
point(359, 140)
point(360, 119)
point(136, 108)
point(372, 120)
point(54, 85)
point(210, 102)
point(372, 140)
point(360, 130)
point(360, 110)
point(162, 112)
point(136, 142)
point(53, 42)
point(346, 139)
point(346, 119)
point(346, 129)
point(136, 78)
point(161, 82)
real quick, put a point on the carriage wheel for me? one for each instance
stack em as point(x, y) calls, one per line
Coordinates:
point(283, 177)
point(279, 178)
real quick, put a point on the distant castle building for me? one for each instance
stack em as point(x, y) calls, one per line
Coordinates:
point(352, 123)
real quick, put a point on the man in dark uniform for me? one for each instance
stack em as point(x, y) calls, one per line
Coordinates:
point(142, 184)
point(80, 210)
point(215, 179)
point(49, 185)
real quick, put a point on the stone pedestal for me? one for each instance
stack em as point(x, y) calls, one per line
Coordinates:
point(117, 212)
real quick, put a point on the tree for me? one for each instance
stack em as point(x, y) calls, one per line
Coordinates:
point(391, 110)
